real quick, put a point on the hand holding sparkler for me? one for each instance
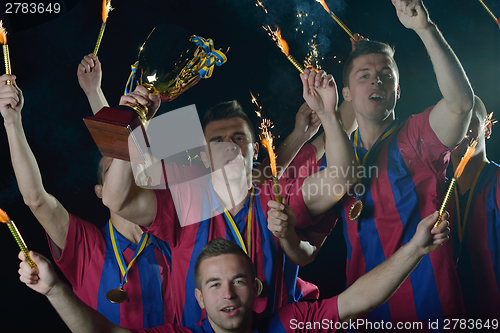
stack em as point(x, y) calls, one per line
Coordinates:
point(89, 74)
point(319, 91)
point(280, 219)
point(357, 38)
point(4, 218)
point(41, 279)
point(106, 8)
point(11, 100)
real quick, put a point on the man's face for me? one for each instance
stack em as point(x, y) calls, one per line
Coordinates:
point(227, 292)
point(373, 87)
point(230, 147)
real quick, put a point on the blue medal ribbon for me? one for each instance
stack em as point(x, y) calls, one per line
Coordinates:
point(234, 229)
point(209, 57)
point(130, 81)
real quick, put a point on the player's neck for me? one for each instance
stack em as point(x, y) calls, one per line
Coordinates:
point(464, 183)
point(370, 131)
point(232, 193)
point(127, 229)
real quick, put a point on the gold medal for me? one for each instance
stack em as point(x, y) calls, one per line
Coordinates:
point(355, 210)
point(260, 287)
point(117, 295)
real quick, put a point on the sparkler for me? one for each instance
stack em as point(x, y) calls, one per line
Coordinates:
point(4, 218)
point(266, 138)
point(6, 56)
point(335, 17)
point(283, 45)
point(497, 21)
point(260, 4)
point(106, 8)
point(458, 172)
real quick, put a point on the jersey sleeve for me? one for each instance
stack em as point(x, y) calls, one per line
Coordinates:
point(82, 240)
point(318, 316)
point(304, 164)
point(420, 141)
point(166, 225)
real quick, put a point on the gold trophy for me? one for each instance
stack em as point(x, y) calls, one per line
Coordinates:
point(170, 61)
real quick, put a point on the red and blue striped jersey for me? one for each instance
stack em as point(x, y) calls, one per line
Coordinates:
point(478, 254)
point(406, 186)
point(89, 264)
point(319, 316)
point(273, 268)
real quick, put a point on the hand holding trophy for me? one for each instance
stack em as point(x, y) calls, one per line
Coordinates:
point(170, 61)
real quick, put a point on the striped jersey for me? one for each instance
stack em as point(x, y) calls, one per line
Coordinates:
point(477, 252)
point(88, 262)
point(278, 274)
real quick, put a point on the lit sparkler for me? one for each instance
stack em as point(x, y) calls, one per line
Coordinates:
point(106, 8)
point(4, 218)
point(497, 21)
point(283, 45)
point(335, 17)
point(312, 58)
point(6, 56)
point(260, 4)
point(458, 172)
point(266, 138)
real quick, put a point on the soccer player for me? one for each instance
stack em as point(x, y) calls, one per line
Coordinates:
point(84, 253)
point(403, 168)
point(476, 238)
point(226, 287)
point(231, 150)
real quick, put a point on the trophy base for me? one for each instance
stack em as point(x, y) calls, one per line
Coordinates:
point(111, 128)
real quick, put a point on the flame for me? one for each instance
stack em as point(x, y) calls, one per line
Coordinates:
point(465, 159)
point(106, 8)
point(276, 36)
point(323, 3)
point(4, 218)
point(266, 138)
point(3, 34)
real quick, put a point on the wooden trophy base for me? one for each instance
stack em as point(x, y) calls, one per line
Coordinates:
point(111, 128)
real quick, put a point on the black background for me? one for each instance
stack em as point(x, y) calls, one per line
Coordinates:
point(45, 50)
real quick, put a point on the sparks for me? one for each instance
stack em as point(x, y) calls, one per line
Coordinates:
point(3, 34)
point(276, 37)
point(260, 4)
point(336, 18)
point(266, 138)
point(106, 8)
point(254, 101)
point(4, 218)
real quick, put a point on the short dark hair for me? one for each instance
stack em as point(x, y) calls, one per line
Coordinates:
point(226, 110)
point(217, 247)
point(365, 47)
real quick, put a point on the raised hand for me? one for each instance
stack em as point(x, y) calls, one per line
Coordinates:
point(89, 74)
point(319, 91)
point(11, 99)
point(41, 280)
point(307, 122)
point(412, 14)
point(142, 96)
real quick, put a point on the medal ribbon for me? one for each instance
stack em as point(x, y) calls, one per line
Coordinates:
point(209, 57)
point(234, 229)
point(357, 145)
point(357, 142)
point(463, 222)
point(119, 255)
point(130, 81)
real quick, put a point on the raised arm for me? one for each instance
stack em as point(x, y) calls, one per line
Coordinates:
point(451, 116)
point(48, 210)
point(376, 286)
point(323, 190)
point(301, 249)
point(79, 317)
point(307, 124)
point(120, 192)
point(89, 76)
